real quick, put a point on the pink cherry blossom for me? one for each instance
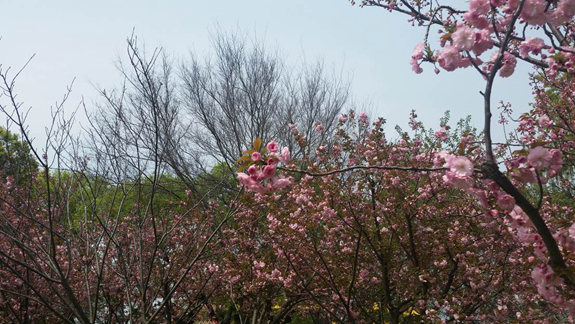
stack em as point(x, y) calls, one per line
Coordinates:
point(531, 45)
point(565, 11)
point(572, 231)
point(284, 157)
point(479, 7)
point(463, 38)
point(252, 170)
point(272, 147)
point(483, 42)
point(280, 183)
point(539, 157)
point(418, 51)
point(476, 20)
point(269, 171)
point(415, 66)
point(273, 159)
point(509, 63)
point(544, 121)
point(449, 58)
point(534, 12)
point(464, 183)
point(525, 175)
point(440, 134)
point(256, 156)
point(506, 202)
point(244, 178)
point(556, 157)
point(417, 55)
point(460, 166)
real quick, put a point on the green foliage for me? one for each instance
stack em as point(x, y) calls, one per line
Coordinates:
point(219, 184)
point(15, 157)
point(90, 196)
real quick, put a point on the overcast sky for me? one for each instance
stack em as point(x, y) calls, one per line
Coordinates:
point(83, 39)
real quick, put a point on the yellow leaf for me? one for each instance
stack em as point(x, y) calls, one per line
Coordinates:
point(410, 312)
point(257, 144)
point(461, 148)
point(446, 36)
point(538, 143)
point(520, 153)
point(471, 149)
point(249, 152)
point(245, 158)
point(243, 166)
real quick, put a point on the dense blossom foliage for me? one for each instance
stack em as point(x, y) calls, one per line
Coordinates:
point(381, 245)
point(532, 196)
point(487, 24)
point(102, 268)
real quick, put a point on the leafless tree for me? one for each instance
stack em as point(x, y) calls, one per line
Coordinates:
point(214, 109)
point(245, 91)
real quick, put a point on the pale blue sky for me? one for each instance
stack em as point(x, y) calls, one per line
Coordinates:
point(83, 39)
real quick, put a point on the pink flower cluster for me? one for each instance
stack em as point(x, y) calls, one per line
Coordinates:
point(460, 170)
point(546, 280)
point(299, 138)
point(539, 158)
point(509, 63)
point(531, 45)
point(417, 55)
point(476, 34)
point(476, 16)
point(262, 180)
point(537, 12)
point(441, 134)
point(450, 59)
point(363, 117)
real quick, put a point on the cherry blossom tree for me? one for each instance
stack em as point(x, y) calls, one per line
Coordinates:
point(492, 37)
point(536, 32)
point(384, 245)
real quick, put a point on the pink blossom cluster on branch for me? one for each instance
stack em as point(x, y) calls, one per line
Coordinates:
point(467, 34)
point(261, 174)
